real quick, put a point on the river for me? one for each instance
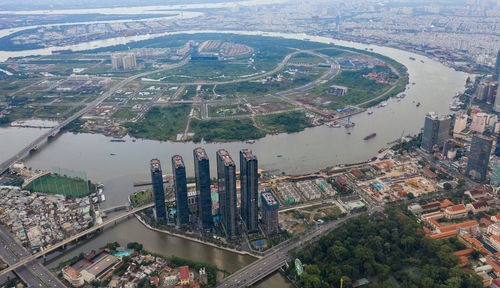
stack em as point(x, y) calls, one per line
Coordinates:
point(303, 152)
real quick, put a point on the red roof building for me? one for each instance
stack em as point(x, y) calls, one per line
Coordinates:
point(454, 212)
point(184, 275)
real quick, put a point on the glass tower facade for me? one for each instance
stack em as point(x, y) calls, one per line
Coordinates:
point(226, 177)
point(181, 197)
point(249, 178)
point(158, 191)
point(479, 156)
point(202, 175)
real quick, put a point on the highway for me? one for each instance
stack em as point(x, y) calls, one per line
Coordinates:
point(25, 259)
point(53, 131)
point(276, 257)
point(34, 274)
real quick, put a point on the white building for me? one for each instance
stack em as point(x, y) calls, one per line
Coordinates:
point(460, 123)
point(479, 121)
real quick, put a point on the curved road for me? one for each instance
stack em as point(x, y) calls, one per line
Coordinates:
point(53, 131)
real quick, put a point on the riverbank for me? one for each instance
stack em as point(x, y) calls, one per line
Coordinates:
point(193, 239)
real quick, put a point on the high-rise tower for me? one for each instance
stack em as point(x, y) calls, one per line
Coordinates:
point(249, 178)
point(226, 174)
point(181, 198)
point(159, 194)
point(202, 175)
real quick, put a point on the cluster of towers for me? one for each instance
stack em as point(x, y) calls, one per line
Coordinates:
point(226, 183)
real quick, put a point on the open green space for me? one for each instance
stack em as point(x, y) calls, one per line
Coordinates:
point(257, 88)
point(224, 130)
point(390, 250)
point(160, 123)
point(51, 111)
point(141, 197)
point(305, 58)
point(212, 70)
point(124, 113)
point(227, 110)
point(360, 88)
point(289, 122)
point(57, 184)
point(188, 93)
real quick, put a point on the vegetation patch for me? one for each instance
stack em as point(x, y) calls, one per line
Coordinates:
point(225, 130)
point(125, 113)
point(389, 250)
point(289, 122)
point(160, 123)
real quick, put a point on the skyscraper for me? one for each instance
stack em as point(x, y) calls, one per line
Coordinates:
point(202, 175)
point(181, 197)
point(249, 179)
point(477, 164)
point(497, 68)
point(269, 210)
point(158, 192)
point(497, 147)
point(436, 131)
point(226, 174)
point(495, 174)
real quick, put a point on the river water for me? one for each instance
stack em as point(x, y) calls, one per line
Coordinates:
point(303, 152)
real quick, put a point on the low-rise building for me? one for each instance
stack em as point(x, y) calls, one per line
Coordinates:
point(455, 212)
point(72, 276)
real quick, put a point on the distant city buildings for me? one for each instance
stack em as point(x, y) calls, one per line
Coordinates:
point(436, 131)
point(477, 164)
point(202, 175)
point(249, 179)
point(123, 61)
point(158, 191)
point(270, 207)
point(180, 186)
point(226, 176)
point(497, 69)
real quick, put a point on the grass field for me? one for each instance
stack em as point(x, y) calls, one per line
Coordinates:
point(304, 58)
point(160, 123)
point(289, 122)
point(125, 113)
point(225, 130)
point(54, 184)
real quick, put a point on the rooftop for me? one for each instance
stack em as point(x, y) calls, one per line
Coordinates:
point(155, 165)
point(177, 160)
point(200, 153)
point(224, 155)
point(269, 197)
point(456, 208)
point(184, 271)
point(248, 154)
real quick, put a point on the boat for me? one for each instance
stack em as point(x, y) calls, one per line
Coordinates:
point(370, 112)
point(412, 58)
point(418, 104)
point(103, 198)
point(348, 133)
point(422, 61)
point(112, 154)
point(250, 141)
point(370, 136)
point(279, 156)
point(100, 185)
point(382, 104)
point(116, 140)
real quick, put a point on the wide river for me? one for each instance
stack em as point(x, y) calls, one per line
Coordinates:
point(307, 151)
